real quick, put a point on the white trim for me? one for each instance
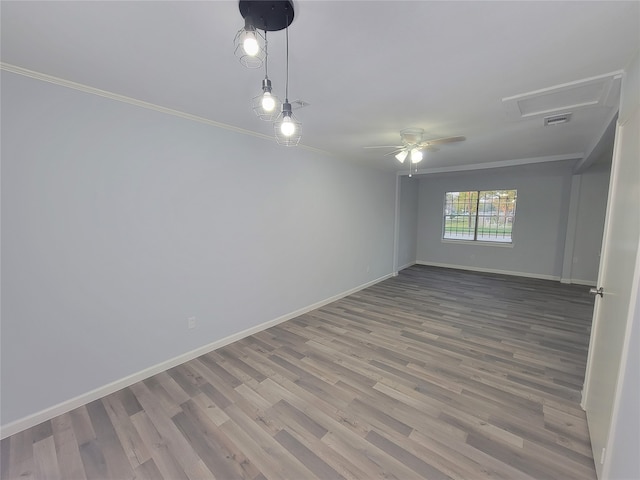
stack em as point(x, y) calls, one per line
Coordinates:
point(485, 243)
point(577, 281)
point(596, 319)
point(489, 270)
point(396, 226)
point(410, 264)
point(498, 164)
point(572, 226)
point(100, 392)
point(139, 103)
point(624, 364)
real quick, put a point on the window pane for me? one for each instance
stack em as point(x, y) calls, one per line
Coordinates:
point(486, 216)
point(496, 213)
point(460, 215)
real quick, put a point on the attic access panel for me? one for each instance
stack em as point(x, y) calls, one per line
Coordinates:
point(600, 91)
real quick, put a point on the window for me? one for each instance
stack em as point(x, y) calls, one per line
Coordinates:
point(482, 216)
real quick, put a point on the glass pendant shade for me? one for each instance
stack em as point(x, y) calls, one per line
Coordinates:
point(248, 45)
point(287, 128)
point(416, 155)
point(401, 156)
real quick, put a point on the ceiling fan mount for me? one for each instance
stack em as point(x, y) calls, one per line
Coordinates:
point(411, 136)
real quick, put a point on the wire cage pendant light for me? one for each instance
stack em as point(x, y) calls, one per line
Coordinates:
point(259, 15)
point(287, 128)
point(266, 105)
point(249, 45)
point(251, 49)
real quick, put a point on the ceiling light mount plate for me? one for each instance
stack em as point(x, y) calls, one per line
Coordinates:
point(270, 16)
point(411, 136)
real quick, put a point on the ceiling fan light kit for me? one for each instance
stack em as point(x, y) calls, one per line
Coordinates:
point(413, 146)
point(251, 49)
point(402, 155)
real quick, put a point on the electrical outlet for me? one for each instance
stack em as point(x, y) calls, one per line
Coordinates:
point(191, 322)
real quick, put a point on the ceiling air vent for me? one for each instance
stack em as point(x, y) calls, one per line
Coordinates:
point(557, 119)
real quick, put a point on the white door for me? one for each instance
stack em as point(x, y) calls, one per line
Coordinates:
point(613, 310)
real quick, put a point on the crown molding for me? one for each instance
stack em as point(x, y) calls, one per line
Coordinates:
point(138, 103)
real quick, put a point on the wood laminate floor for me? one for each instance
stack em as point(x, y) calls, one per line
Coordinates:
point(433, 374)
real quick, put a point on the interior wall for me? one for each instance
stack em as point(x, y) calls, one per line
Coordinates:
point(408, 222)
point(538, 233)
point(592, 206)
point(119, 223)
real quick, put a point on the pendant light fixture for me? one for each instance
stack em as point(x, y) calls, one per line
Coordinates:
point(268, 16)
point(259, 15)
point(266, 105)
point(286, 127)
point(248, 45)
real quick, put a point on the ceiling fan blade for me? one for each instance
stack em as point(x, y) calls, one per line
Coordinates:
point(385, 146)
point(429, 148)
point(440, 141)
point(394, 152)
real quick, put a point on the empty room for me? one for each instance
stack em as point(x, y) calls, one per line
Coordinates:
point(320, 240)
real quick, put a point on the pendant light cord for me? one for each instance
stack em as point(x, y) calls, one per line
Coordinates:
point(266, 56)
point(286, 85)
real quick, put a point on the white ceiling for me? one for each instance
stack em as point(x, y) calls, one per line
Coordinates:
point(367, 68)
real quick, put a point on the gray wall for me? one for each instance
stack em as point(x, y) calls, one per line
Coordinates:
point(119, 223)
point(538, 233)
point(408, 221)
point(594, 187)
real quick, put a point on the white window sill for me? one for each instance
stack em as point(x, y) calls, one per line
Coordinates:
point(477, 242)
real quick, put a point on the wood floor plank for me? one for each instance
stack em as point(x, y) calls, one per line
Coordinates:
point(68, 451)
point(46, 460)
point(268, 455)
point(148, 471)
point(163, 458)
point(215, 440)
point(107, 440)
point(21, 462)
point(134, 447)
point(179, 447)
point(5, 448)
point(435, 373)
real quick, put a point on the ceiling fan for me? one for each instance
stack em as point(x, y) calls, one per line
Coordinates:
point(413, 145)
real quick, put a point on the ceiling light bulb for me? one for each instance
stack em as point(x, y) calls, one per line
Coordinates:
point(250, 44)
point(401, 156)
point(416, 155)
point(287, 128)
point(268, 102)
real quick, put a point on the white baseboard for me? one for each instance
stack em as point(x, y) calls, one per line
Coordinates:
point(490, 270)
point(88, 397)
point(410, 264)
point(577, 281)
